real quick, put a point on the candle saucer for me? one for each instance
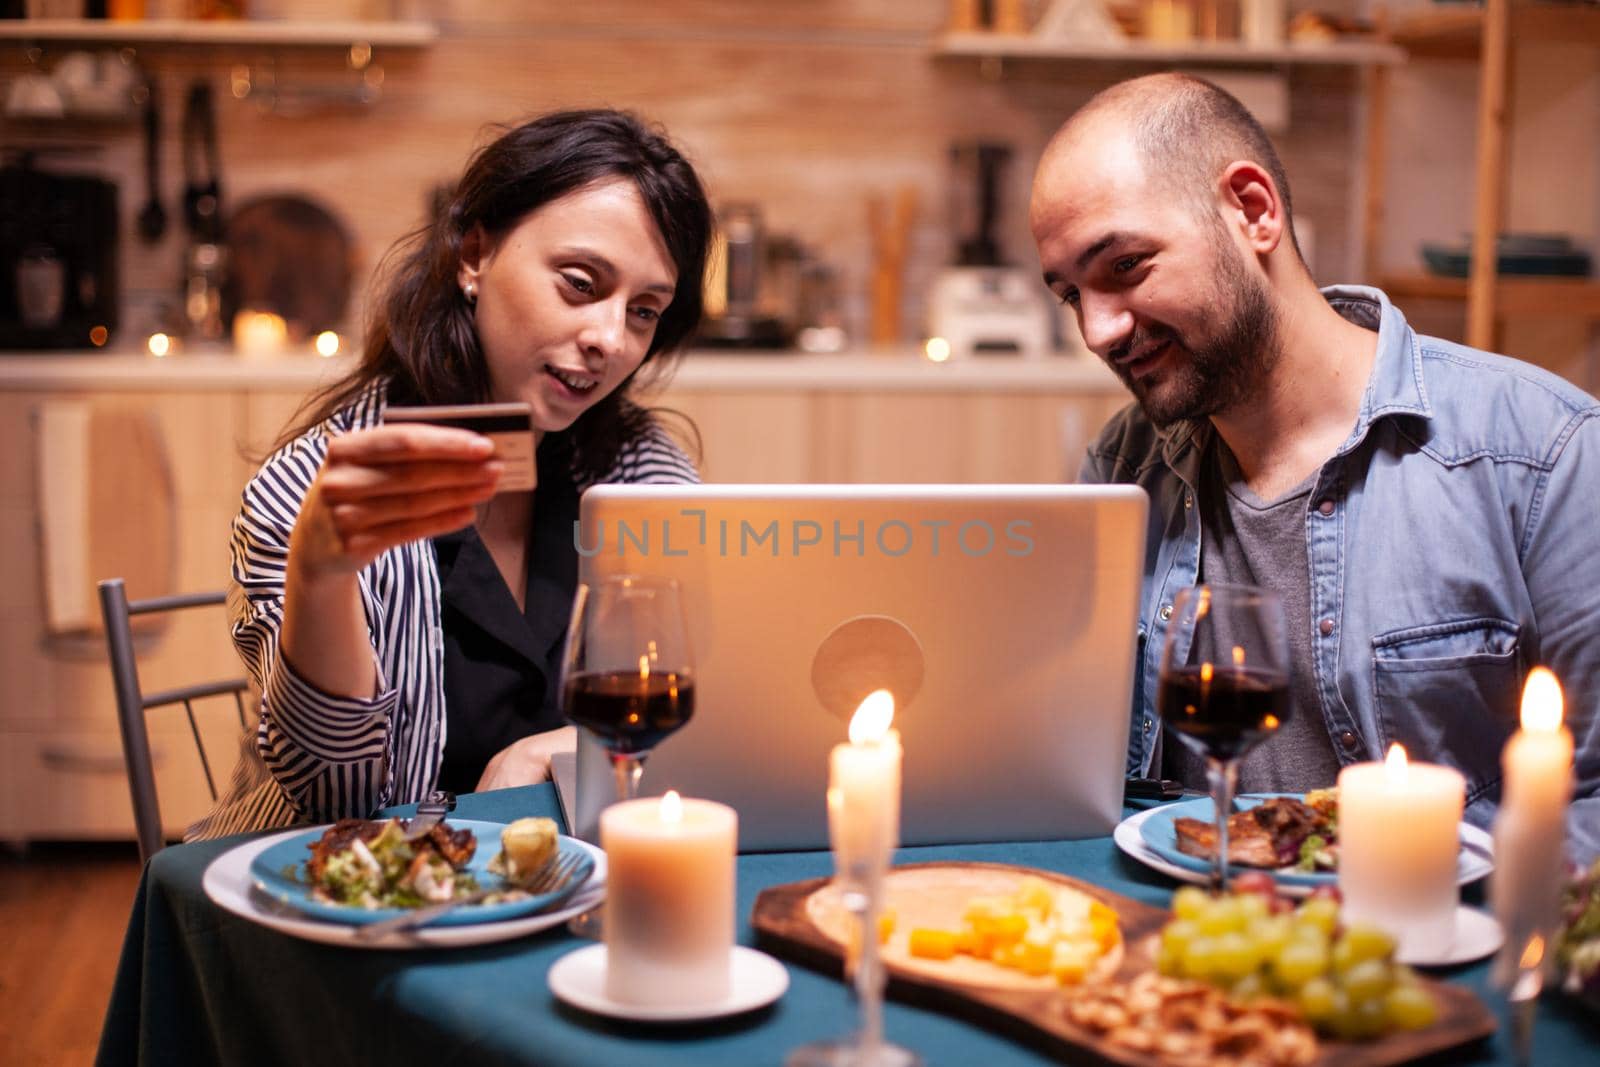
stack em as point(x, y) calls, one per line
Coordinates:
point(1476, 935)
point(579, 979)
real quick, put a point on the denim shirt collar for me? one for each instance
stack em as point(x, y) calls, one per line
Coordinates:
point(1394, 388)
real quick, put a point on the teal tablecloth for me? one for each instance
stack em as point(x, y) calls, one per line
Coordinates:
point(199, 985)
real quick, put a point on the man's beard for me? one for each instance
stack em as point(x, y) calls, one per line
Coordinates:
point(1221, 372)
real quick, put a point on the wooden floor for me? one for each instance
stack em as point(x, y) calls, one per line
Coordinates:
point(63, 912)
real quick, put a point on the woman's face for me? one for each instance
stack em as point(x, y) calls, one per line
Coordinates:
point(568, 299)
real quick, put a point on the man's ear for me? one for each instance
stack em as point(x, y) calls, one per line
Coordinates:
point(1251, 202)
point(475, 251)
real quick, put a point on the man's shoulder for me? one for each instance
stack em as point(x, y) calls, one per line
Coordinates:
point(1487, 404)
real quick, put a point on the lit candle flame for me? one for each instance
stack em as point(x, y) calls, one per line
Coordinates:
point(1394, 765)
point(644, 666)
point(672, 807)
point(1238, 655)
point(1533, 955)
point(1207, 671)
point(872, 718)
point(1541, 702)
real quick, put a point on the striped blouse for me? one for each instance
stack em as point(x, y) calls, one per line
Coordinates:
point(316, 757)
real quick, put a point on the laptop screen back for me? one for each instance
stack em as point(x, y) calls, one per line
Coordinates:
point(1002, 618)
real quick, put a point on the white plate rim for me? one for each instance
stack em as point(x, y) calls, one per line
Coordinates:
point(578, 979)
point(1474, 863)
point(1477, 934)
point(227, 883)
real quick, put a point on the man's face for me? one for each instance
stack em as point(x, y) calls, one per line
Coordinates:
point(1161, 292)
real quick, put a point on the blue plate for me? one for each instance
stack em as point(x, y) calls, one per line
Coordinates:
point(281, 871)
point(1474, 861)
point(1161, 835)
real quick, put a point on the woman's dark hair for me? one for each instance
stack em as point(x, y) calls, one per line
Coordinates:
point(421, 333)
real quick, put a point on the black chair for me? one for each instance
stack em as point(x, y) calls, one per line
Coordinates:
point(132, 702)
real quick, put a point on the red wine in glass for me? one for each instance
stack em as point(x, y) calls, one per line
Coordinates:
point(1224, 683)
point(630, 713)
point(1224, 715)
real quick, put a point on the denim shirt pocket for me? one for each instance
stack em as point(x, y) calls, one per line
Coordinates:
point(1448, 692)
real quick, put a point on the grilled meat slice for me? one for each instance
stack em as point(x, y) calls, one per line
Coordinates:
point(456, 846)
point(1249, 844)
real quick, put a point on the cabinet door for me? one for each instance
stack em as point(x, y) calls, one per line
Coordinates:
point(949, 437)
point(748, 436)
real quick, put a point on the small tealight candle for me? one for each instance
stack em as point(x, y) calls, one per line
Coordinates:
point(864, 788)
point(1530, 828)
point(1398, 840)
point(669, 912)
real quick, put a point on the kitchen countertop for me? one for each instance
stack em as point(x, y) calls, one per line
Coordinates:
point(901, 369)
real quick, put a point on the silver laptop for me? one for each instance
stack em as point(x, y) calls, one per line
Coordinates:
point(1002, 617)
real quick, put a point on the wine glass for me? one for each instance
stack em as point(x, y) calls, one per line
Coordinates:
point(1224, 684)
point(627, 676)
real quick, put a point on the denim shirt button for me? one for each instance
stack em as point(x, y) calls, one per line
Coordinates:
point(1147, 724)
point(1325, 508)
point(1165, 612)
point(1325, 627)
point(1348, 740)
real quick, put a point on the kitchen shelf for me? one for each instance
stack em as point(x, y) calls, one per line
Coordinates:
point(203, 32)
point(1513, 295)
point(1455, 33)
point(1210, 53)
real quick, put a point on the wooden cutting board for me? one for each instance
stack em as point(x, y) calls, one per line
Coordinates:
point(804, 922)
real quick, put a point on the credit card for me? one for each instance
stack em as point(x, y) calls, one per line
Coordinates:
point(509, 426)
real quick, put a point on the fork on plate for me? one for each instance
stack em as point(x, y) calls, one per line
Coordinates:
point(554, 876)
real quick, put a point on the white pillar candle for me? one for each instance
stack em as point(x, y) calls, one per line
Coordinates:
point(864, 788)
point(1398, 840)
point(1530, 828)
point(669, 911)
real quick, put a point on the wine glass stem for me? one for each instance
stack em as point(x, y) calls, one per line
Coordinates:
point(627, 769)
point(869, 977)
point(1223, 774)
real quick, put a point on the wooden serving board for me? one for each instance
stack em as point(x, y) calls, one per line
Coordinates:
point(804, 922)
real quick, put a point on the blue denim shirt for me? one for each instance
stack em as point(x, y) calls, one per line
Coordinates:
point(1453, 542)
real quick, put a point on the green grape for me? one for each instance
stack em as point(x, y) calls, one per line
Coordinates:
point(1177, 935)
point(1190, 902)
point(1169, 961)
point(1321, 912)
point(1409, 1006)
point(1223, 917)
point(1320, 1001)
point(1251, 987)
point(1199, 957)
point(1404, 975)
point(1367, 980)
point(1252, 906)
point(1368, 943)
point(1359, 1019)
point(1299, 961)
point(1234, 956)
point(1270, 933)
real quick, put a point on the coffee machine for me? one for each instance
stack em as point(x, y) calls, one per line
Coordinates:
point(981, 305)
point(58, 257)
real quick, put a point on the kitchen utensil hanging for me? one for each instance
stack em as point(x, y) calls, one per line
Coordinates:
point(202, 193)
point(153, 216)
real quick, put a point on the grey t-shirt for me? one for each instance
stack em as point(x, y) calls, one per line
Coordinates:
point(1248, 541)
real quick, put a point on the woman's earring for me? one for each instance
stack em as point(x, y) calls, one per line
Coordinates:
point(469, 292)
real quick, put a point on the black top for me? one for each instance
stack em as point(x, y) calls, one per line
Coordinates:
point(502, 667)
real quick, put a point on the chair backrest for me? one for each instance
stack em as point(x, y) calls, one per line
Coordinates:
point(133, 702)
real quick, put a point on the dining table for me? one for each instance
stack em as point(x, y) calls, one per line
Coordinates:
point(199, 984)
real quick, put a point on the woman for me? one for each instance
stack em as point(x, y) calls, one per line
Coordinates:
point(403, 621)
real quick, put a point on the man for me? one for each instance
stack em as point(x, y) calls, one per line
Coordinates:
point(1427, 512)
